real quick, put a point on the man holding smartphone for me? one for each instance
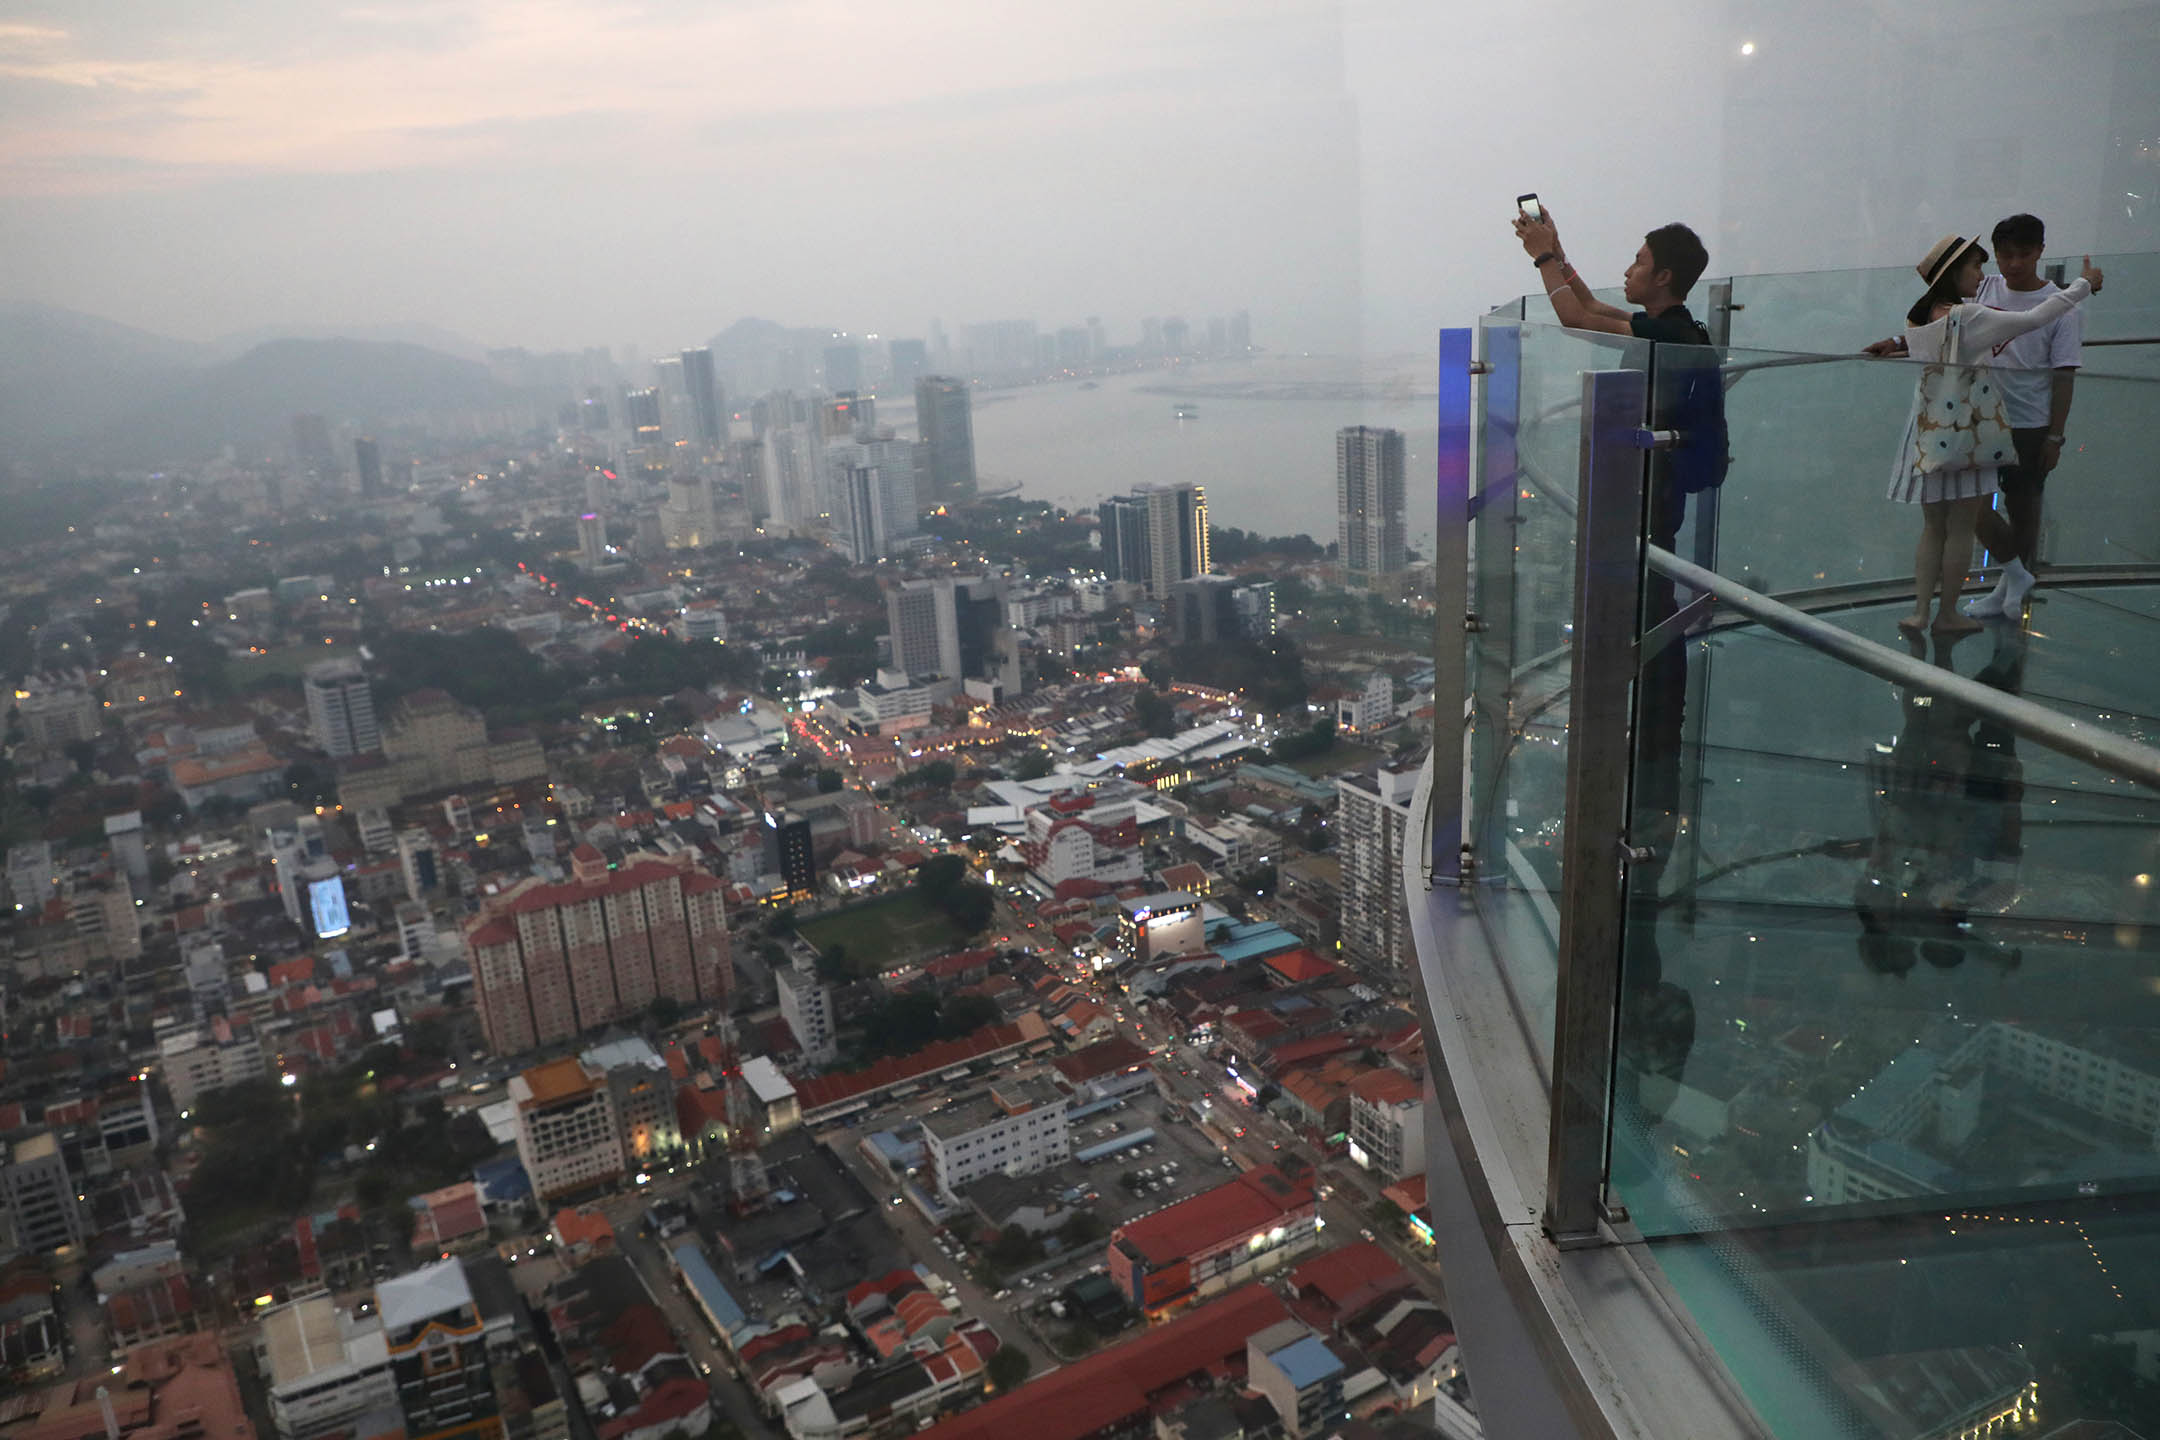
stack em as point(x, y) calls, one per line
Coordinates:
point(1658, 1029)
point(1669, 262)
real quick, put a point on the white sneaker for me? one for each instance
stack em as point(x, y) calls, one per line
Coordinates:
point(1992, 606)
point(2016, 583)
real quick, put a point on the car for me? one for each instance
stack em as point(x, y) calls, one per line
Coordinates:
point(1001, 1295)
point(1365, 1234)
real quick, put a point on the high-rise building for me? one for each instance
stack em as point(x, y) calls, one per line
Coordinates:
point(1203, 610)
point(910, 362)
point(39, 1194)
point(843, 366)
point(568, 1139)
point(592, 541)
point(806, 1005)
point(551, 961)
point(437, 1340)
point(859, 528)
point(1124, 538)
point(1256, 608)
point(945, 418)
point(648, 442)
point(790, 488)
point(1017, 1128)
point(367, 459)
point(677, 419)
point(876, 513)
point(846, 415)
point(1156, 536)
point(311, 441)
point(708, 401)
point(789, 851)
point(978, 616)
point(1369, 507)
point(925, 630)
point(1371, 813)
point(341, 708)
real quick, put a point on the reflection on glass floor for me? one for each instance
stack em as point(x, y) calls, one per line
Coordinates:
point(1901, 1085)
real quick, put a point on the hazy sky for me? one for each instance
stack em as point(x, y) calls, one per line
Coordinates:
point(551, 173)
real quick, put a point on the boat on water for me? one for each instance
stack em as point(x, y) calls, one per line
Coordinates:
point(1188, 412)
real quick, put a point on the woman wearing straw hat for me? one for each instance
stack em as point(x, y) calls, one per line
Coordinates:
point(1938, 467)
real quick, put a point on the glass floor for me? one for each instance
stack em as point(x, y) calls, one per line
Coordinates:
point(1889, 1089)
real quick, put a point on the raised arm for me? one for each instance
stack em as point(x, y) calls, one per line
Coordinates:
point(1571, 299)
point(1990, 328)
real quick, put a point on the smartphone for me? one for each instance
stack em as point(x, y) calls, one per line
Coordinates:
point(1531, 210)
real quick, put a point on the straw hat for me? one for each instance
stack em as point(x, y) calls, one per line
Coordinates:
point(1943, 257)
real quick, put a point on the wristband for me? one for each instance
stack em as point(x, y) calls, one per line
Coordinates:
point(1543, 260)
point(2055, 439)
point(1554, 291)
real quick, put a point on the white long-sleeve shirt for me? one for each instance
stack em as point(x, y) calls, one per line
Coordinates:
point(1986, 330)
point(1983, 332)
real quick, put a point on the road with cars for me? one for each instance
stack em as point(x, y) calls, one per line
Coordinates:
point(921, 1240)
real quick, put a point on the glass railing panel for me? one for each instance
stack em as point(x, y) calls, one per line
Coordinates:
point(1811, 444)
point(1523, 556)
point(1889, 1036)
point(1834, 312)
point(2099, 506)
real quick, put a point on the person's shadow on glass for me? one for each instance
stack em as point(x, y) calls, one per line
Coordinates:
point(1946, 799)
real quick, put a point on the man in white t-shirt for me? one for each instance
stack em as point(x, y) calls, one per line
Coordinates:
point(2038, 376)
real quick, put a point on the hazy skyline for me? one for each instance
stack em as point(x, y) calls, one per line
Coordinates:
point(555, 174)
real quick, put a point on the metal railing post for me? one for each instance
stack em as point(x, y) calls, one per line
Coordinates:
point(1451, 605)
point(1608, 583)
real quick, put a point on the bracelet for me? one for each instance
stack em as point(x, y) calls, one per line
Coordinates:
point(2055, 439)
point(1554, 291)
point(1543, 260)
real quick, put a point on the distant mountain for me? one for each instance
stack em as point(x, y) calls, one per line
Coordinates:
point(751, 334)
point(432, 337)
point(77, 386)
point(60, 370)
point(48, 340)
point(249, 402)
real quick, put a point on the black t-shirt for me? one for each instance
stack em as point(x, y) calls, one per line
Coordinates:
point(1674, 325)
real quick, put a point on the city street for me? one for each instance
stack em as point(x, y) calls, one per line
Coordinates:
point(915, 1232)
point(729, 1393)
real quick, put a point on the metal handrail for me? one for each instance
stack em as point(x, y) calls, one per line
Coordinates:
point(2099, 748)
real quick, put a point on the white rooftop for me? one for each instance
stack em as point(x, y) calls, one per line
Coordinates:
point(311, 1339)
point(427, 1292)
point(616, 1054)
point(765, 1080)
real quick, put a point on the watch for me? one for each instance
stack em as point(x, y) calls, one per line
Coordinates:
point(1545, 259)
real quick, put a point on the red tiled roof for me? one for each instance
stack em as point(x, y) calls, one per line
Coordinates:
point(1335, 1275)
point(1305, 1052)
point(1409, 1193)
point(886, 1284)
point(1184, 877)
point(1112, 1386)
point(1102, 1058)
point(1383, 1086)
point(1299, 965)
point(1253, 1201)
point(671, 1400)
point(823, 1090)
point(288, 972)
